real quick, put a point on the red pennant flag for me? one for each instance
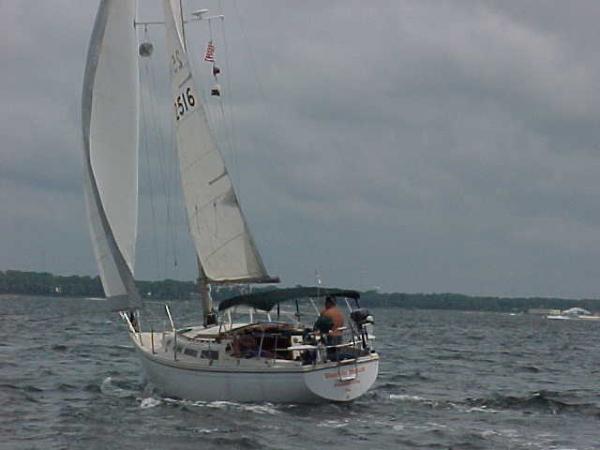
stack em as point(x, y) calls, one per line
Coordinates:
point(210, 52)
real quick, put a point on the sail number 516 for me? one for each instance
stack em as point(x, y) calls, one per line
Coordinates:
point(184, 103)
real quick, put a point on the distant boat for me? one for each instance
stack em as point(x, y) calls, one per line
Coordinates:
point(574, 314)
point(221, 359)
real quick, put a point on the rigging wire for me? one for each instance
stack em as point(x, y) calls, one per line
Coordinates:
point(150, 316)
point(250, 54)
point(164, 172)
point(145, 150)
point(265, 107)
point(229, 119)
point(157, 166)
point(164, 164)
point(222, 119)
point(208, 110)
point(216, 115)
point(222, 125)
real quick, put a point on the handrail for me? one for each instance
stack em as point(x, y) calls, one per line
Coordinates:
point(152, 339)
point(138, 326)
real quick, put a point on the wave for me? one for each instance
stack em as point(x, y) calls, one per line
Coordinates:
point(416, 376)
point(544, 402)
point(385, 387)
point(113, 390)
point(16, 394)
point(408, 398)
point(243, 442)
point(66, 387)
point(25, 388)
point(257, 408)
point(417, 399)
point(539, 401)
point(92, 387)
point(530, 369)
point(4, 364)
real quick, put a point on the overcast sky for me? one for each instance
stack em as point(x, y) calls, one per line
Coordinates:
point(414, 146)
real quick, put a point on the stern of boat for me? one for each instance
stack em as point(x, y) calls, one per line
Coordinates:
point(345, 381)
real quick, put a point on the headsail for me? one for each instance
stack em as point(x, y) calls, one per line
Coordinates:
point(222, 239)
point(109, 113)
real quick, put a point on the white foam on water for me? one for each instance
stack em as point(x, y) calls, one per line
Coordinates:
point(511, 438)
point(108, 388)
point(509, 432)
point(266, 408)
point(219, 404)
point(489, 433)
point(436, 426)
point(413, 399)
point(484, 409)
point(149, 402)
point(407, 398)
point(206, 430)
point(263, 408)
point(173, 400)
point(334, 423)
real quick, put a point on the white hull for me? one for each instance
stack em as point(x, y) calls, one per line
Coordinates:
point(257, 380)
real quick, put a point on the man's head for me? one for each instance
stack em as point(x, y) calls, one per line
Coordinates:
point(329, 302)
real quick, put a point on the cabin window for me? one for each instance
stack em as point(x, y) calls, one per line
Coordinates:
point(190, 352)
point(209, 354)
point(179, 348)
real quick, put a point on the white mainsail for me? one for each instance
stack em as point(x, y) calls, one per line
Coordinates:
point(222, 239)
point(110, 123)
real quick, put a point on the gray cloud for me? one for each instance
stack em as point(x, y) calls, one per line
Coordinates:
point(412, 145)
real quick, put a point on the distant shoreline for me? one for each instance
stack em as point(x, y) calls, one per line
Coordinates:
point(15, 283)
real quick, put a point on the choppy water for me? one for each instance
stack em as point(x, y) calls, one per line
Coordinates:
point(70, 379)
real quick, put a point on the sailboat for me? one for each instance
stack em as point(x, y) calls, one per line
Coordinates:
point(222, 358)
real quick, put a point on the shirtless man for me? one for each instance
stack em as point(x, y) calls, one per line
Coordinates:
point(333, 313)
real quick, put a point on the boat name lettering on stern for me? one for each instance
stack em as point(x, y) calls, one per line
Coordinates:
point(346, 383)
point(345, 373)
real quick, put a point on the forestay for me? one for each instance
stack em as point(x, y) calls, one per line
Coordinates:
point(223, 242)
point(110, 136)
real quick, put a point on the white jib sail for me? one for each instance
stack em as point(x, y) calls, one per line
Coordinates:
point(110, 123)
point(223, 241)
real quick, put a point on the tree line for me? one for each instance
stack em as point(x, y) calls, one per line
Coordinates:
point(18, 282)
point(46, 284)
point(462, 302)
